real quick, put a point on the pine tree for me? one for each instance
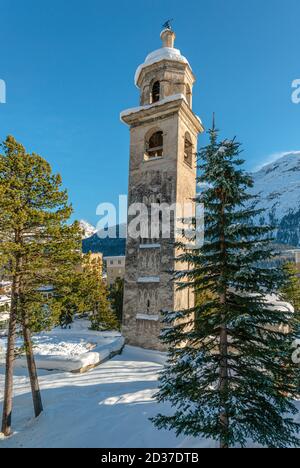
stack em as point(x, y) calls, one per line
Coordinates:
point(229, 375)
point(116, 295)
point(36, 247)
point(93, 295)
point(69, 297)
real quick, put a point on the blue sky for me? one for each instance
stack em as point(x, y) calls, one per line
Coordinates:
point(69, 66)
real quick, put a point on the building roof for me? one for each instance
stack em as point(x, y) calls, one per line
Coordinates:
point(115, 257)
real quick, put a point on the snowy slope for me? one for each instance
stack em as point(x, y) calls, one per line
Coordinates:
point(278, 185)
point(87, 229)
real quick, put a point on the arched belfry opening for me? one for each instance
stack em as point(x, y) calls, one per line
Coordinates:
point(155, 145)
point(155, 92)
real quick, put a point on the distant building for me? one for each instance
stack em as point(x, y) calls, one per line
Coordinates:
point(115, 268)
point(4, 302)
point(96, 260)
point(47, 291)
point(297, 259)
point(4, 313)
point(5, 286)
point(290, 255)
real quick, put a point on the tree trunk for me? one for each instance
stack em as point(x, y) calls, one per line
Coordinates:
point(224, 420)
point(10, 354)
point(34, 383)
point(223, 348)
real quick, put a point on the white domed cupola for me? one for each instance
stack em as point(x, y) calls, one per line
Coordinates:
point(165, 73)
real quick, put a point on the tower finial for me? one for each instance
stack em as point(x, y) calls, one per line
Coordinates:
point(167, 35)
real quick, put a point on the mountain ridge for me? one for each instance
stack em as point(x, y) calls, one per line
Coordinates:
point(278, 185)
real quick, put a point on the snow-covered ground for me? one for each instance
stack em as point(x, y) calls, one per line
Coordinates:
point(70, 349)
point(108, 406)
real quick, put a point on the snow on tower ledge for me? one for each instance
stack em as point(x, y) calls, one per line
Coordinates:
point(167, 52)
point(133, 110)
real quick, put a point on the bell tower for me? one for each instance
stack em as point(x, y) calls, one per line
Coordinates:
point(162, 171)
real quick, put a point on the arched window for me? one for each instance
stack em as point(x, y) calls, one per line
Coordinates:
point(154, 147)
point(155, 93)
point(148, 305)
point(189, 95)
point(188, 150)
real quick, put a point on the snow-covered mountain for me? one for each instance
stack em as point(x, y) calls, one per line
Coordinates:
point(88, 229)
point(108, 246)
point(278, 185)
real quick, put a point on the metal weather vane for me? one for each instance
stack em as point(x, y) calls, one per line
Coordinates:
point(167, 24)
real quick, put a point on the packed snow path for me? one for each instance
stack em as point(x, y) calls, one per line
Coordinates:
point(108, 406)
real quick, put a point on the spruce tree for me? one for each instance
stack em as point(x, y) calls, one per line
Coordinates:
point(36, 247)
point(229, 375)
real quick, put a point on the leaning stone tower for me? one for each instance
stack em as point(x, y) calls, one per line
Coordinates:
point(162, 170)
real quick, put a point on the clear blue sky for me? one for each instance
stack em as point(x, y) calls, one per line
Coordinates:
point(69, 67)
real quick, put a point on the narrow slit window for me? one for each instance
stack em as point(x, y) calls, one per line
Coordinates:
point(156, 92)
point(188, 150)
point(189, 95)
